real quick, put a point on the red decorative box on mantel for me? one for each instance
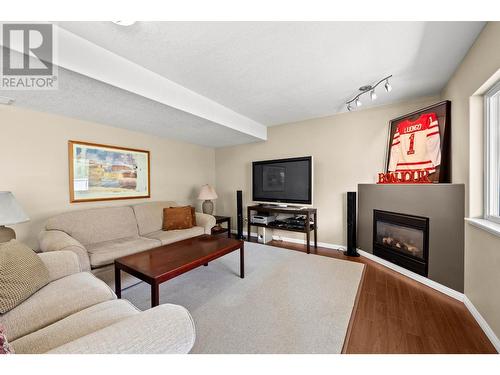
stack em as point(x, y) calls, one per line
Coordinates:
point(407, 177)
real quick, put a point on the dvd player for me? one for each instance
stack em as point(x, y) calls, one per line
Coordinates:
point(263, 219)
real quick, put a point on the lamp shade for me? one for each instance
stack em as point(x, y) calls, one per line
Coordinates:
point(10, 211)
point(207, 193)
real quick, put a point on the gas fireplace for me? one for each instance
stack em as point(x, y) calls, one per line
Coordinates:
point(402, 239)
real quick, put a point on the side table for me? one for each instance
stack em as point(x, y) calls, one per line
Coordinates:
point(218, 229)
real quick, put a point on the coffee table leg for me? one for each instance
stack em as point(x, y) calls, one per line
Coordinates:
point(155, 294)
point(118, 282)
point(242, 261)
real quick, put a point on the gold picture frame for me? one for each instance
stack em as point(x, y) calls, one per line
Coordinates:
point(99, 172)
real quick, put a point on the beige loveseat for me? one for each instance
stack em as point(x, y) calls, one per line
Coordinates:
point(101, 235)
point(78, 313)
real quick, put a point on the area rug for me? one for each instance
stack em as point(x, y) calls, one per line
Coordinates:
point(288, 302)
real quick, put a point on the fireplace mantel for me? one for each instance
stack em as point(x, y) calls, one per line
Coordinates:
point(443, 204)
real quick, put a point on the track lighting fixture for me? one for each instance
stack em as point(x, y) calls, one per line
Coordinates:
point(371, 90)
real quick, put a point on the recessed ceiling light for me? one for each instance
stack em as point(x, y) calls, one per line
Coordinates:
point(7, 101)
point(124, 23)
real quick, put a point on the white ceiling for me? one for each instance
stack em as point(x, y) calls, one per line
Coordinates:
point(270, 72)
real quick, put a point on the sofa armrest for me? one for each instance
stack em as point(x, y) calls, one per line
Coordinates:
point(206, 221)
point(56, 240)
point(60, 263)
point(164, 329)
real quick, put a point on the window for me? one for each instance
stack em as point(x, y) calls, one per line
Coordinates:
point(492, 154)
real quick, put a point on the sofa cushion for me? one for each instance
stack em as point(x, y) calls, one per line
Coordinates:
point(150, 215)
point(54, 302)
point(105, 253)
point(60, 263)
point(22, 273)
point(171, 236)
point(96, 225)
point(75, 326)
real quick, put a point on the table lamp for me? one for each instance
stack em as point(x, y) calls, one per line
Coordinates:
point(10, 213)
point(207, 193)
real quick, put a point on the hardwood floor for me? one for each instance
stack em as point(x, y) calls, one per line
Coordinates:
point(396, 314)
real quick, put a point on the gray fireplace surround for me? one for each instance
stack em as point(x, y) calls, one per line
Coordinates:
point(443, 204)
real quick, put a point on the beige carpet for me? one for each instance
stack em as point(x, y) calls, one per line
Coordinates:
point(288, 302)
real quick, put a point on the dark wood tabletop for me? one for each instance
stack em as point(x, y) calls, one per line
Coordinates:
point(163, 263)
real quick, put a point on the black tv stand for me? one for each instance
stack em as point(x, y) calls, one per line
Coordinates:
point(307, 211)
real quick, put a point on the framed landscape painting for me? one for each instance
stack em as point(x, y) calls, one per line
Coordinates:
point(101, 172)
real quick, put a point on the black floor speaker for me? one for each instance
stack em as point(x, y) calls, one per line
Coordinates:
point(351, 225)
point(239, 214)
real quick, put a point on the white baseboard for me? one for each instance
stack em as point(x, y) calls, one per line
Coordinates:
point(421, 279)
point(482, 323)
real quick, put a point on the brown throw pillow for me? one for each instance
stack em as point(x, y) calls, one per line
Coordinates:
point(22, 273)
point(178, 218)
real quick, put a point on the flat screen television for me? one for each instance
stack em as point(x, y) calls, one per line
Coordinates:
point(283, 180)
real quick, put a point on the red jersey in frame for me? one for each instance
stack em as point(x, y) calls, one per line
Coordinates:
point(416, 145)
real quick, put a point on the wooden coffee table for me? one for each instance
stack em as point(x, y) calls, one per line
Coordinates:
point(163, 263)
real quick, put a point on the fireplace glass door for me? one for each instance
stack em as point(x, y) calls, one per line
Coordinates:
point(408, 241)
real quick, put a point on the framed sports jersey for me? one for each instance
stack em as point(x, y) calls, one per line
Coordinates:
point(421, 141)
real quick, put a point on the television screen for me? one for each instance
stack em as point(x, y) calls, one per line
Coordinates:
point(283, 180)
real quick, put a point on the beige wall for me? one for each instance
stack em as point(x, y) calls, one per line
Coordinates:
point(482, 274)
point(347, 149)
point(482, 250)
point(34, 160)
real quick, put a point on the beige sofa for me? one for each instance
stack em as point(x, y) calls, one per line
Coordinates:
point(99, 236)
point(78, 313)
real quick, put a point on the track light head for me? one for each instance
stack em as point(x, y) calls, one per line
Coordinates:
point(388, 86)
point(349, 107)
point(373, 95)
